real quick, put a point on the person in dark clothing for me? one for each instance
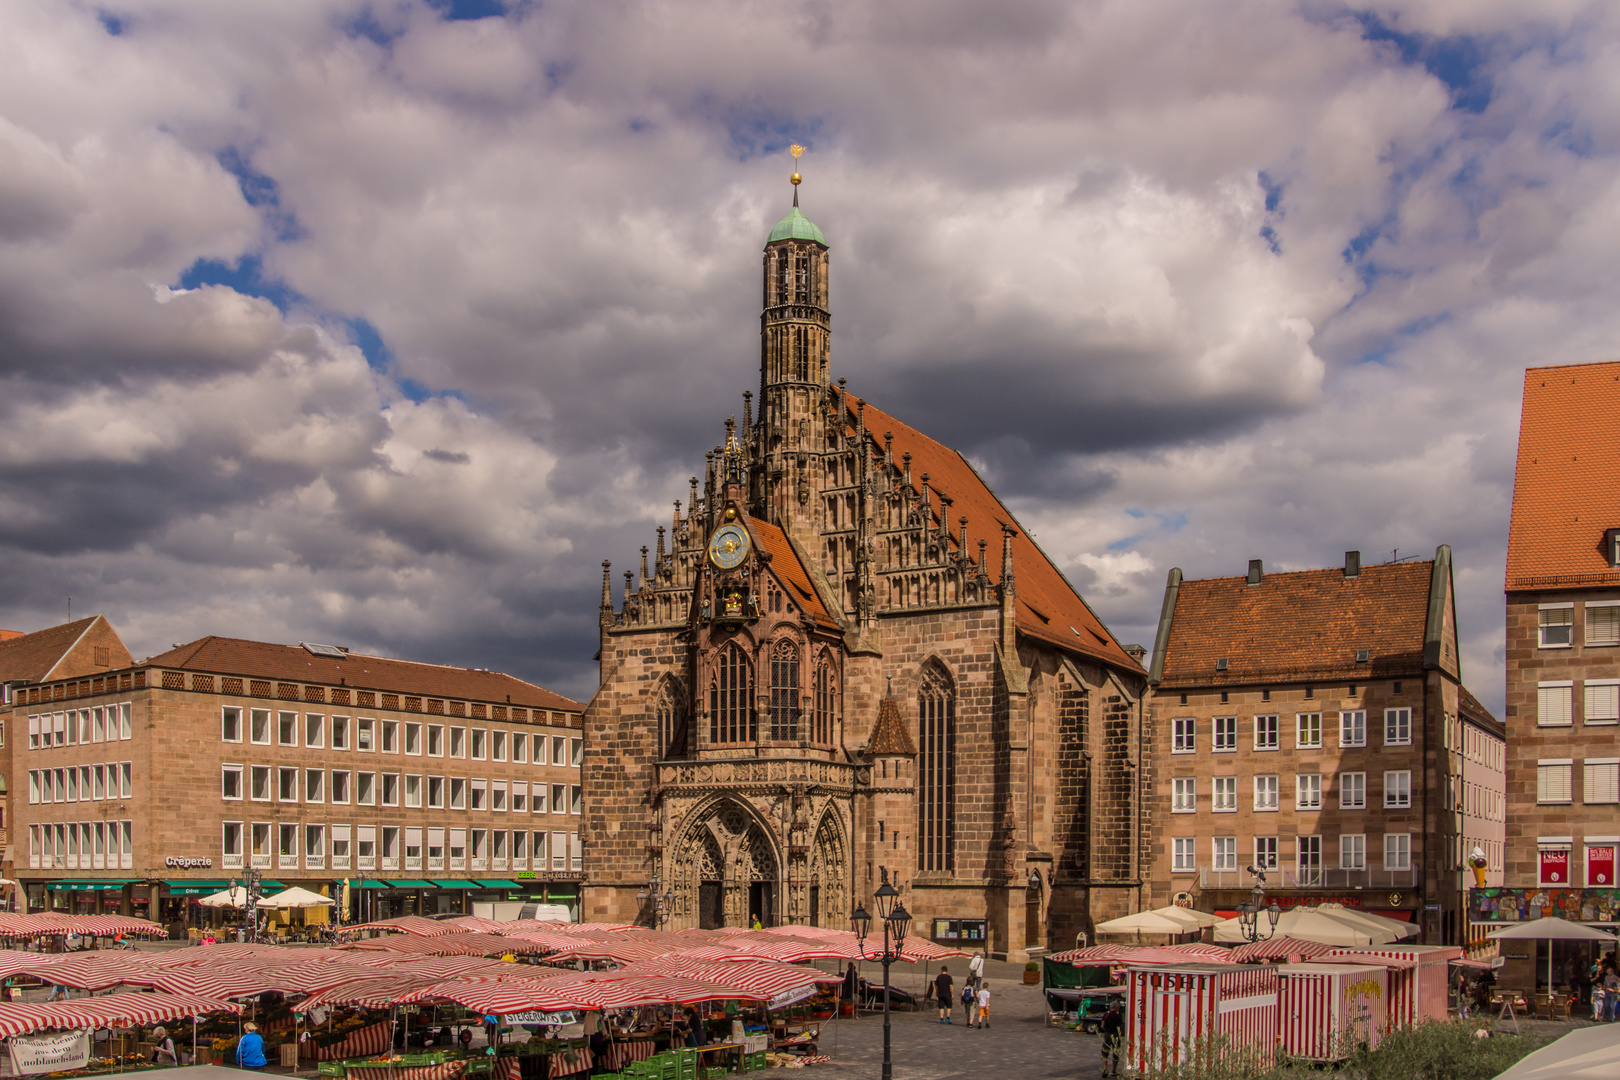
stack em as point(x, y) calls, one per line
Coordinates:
point(700, 1034)
point(852, 982)
point(942, 990)
point(1113, 1034)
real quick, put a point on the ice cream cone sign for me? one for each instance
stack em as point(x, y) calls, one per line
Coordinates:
point(1477, 860)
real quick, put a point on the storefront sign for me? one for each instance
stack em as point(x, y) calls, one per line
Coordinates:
point(564, 1017)
point(524, 875)
point(1523, 905)
point(791, 997)
point(1182, 899)
point(50, 1053)
point(178, 863)
point(1600, 866)
point(1554, 866)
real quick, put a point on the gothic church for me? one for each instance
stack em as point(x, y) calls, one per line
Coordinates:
point(845, 658)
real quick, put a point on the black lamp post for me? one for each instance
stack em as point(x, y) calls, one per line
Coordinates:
point(658, 902)
point(1249, 912)
point(896, 919)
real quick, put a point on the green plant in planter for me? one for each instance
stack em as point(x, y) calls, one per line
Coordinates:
point(1032, 966)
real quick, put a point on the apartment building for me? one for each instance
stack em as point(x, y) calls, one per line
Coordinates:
point(1563, 649)
point(419, 786)
point(1311, 725)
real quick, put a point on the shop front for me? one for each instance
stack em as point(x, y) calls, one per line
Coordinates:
point(1402, 905)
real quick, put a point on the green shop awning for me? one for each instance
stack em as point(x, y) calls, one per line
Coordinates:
point(368, 884)
point(412, 885)
point(498, 884)
point(196, 888)
point(458, 885)
point(88, 886)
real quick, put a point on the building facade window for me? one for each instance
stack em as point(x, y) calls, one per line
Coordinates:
point(1602, 781)
point(1397, 727)
point(1602, 699)
point(731, 717)
point(1225, 853)
point(230, 782)
point(1353, 728)
point(1553, 703)
point(936, 771)
point(1397, 851)
point(1265, 853)
point(1553, 781)
point(1265, 733)
point(1184, 855)
point(1184, 795)
point(1397, 789)
point(1353, 851)
point(1603, 622)
point(826, 699)
point(1184, 735)
point(1308, 791)
point(1265, 792)
point(1225, 734)
point(1224, 800)
point(1556, 621)
point(230, 724)
point(785, 691)
point(1353, 791)
point(1308, 731)
point(1308, 862)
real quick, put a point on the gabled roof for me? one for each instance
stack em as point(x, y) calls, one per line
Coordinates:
point(785, 564)
point(1299, 625)
point(264, 660)
point(889, 735)
point(32, 657)
point(1566, 487)
point(1471, 709)
point(1049, 607)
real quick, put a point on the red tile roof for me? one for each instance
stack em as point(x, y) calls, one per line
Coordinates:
point(1049, 607)
point(1566, 488)
point(31, 657)
point(1300, 625)
point(889, 735)
point(786, 565)
point(264, 660)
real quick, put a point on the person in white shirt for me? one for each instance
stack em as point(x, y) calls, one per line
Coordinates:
point(976, 969)
point(981, 1017)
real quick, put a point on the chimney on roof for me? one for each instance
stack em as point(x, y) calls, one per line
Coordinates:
point(1352, 564)
point(1257, 570)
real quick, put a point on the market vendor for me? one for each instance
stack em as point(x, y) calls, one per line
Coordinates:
point(250, 1049)
point(163, 1052)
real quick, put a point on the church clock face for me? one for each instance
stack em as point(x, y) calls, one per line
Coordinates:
point(728, 547)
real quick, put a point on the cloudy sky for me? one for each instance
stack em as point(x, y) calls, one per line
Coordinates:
point(383, 322)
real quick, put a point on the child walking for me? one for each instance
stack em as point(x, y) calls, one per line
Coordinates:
point(982, 1018)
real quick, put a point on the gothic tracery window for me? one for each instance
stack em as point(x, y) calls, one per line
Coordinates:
point(731, 714)
point(936, 770)
point(825, 699)
point(785, 691)
point(668, 714)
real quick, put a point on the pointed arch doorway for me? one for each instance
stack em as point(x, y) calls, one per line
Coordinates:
point(727, 871)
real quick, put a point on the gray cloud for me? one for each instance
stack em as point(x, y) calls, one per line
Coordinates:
point(344, 320)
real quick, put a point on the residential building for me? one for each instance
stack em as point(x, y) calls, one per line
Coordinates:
point(847, 662)
point(419, 786)
point(1312, 725)
point(1563, 647)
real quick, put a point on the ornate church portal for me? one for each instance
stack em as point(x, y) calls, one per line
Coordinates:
point(843, 657)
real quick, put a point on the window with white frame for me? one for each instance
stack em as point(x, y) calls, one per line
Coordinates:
point(1224, 852)
point(520, 797)
point(1553, 703)
point(1224, 800)
point(1183, 737)
point(1265, 732)
point(576, 752)
point(413, 847)
point(259, 789)
point(497, 849)
point(314, 785)
point(576, 854)
point(1353, 851)
point(388, 847)
point(1553, 780)
point(388, 789)
point(287, 846)
point(1352, 791)
point(478, 794)
point(230, 782)
point(1397, 851)
point(457, 840)
point(314, 847)
point(478, 744)
point(458, 793)
point(259, 727)
point(520, 747)
point(497, 796)
point(33, 736)
point(435, 743)
point(388, 736)
point(497, 746)
point(576, 799)
point(1265, 792)
point(413, 739)
point(1225, 738)
point(478, 848)
point(260, 849)
point(435, 848)
point(1397, 727)
point(1265, 853)
point(1183, 855)
point(231, 844)
point(365, 847)
point(435, 793)
point(458, 742)
point(1308, 860)
point(340, 847)
point(1397, 789)
point(365, 735)
point(1308, 791)
point(520, 849)
point(1184, 795)
point(365, 789)
point(559, 851)
point(340, 732)
point(230, 723)
point(1353, 727)
point(1602, 781)
point(314, 730)
point(559, 798)
point(1603, 622)
point(413, 792)
point(1602, 699)
point(287, 729)
point(1556, 623)
point(1308, 731)
point(538, 848)
point(339, 792)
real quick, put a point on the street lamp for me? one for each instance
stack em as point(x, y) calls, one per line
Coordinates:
point(896, 920)
point(659, 901)
point(1249, 911)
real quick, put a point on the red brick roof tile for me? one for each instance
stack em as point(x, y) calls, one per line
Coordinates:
point(1566, 487)
point(786, 565)
point(292, 663)
point(1300, 625)
point(31, 657)
point(889, 735)
point(1049, 607)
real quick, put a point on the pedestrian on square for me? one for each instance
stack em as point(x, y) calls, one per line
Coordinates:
point(1113, 1032)
point(1611, 993)
point(976, 969)
point(942, 990)
point(250, 1048)
point(1599, 1005)
point(982, 1017)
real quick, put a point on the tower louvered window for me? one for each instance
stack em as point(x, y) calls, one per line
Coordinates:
point(731, 715)
point(801, 277)
point(801, 352)
point(785, 691)
point(936, 772)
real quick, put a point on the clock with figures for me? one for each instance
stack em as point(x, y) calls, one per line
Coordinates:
point(729, 545)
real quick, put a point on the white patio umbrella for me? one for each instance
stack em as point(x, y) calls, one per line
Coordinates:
point(1588, 1054)
point(295, 898)
point(235, 896)
point(1311, 924)
point(1372, 922)
point(1552, 929)
point(1169, 920)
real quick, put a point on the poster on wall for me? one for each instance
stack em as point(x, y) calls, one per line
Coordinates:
point(1600, 906)
point(49, 1053)
point(1600, 866)
point(1555, 866)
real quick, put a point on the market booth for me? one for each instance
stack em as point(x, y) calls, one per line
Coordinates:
point(1418, 978)
point(1176, 1013)
point(1330, 1009)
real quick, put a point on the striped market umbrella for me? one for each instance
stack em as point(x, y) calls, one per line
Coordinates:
point(1278, 948)
point(756, 976)
point(597, 992)
point(410, 924)
point(490, 996)
point(370, 992)
point(1144, 954)
point(452, 967)
point(112, 1010)
point(98, 970)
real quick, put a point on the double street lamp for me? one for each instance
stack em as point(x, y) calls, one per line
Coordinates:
point(896, 919)
point(1249, 911)
point(658, 902)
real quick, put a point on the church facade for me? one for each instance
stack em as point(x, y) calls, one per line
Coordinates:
point(844, 659)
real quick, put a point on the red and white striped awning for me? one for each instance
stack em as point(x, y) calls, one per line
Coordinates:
point(1279, 948)
point(764, 977)
point(112, 1010)
point(371, 991)
point(49, 923)
point(410, 924)
point(494, 996)
point(1145, 954)
point(607, 992)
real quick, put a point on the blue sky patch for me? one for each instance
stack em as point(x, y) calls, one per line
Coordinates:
point(246, 276)
point(365, 337)
point(1458, 61)
point(113, 24)
point(262, 193)
point(468, 9)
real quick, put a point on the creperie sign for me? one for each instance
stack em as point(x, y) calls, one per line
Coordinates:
point(177, 862)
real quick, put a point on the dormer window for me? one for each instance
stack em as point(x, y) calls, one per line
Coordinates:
point(1611, 547)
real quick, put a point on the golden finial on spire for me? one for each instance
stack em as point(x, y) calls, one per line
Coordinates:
point(797, 151)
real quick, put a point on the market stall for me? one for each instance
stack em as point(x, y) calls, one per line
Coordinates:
point(1330, 1009)
point(1174, 1013)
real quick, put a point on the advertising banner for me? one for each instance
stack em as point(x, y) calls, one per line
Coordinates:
point(49, 1053)
point(1600, 866)
point(1554, 866)
point(1522, 905)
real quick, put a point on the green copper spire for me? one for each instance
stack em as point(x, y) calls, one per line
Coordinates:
point(796, 226)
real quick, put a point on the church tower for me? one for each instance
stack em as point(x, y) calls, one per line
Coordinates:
point(795, 331)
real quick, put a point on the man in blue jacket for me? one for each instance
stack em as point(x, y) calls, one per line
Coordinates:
point(250, 1048)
